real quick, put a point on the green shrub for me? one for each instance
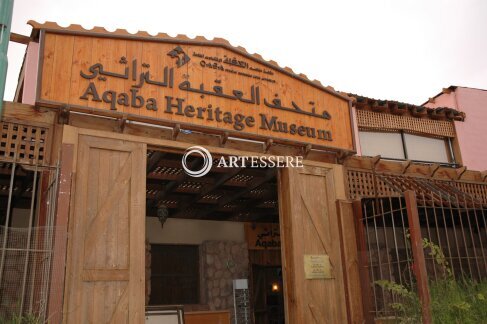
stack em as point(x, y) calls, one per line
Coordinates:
point(452, 301)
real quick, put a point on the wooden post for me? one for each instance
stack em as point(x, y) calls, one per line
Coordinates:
point(55, 304)
point(419, 263)
point(350, 261)
point(363, 263)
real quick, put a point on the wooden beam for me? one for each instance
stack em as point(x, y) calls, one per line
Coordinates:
point(208, 189)
point(350, 261)
point(21, 39)
point(153, 161)
point(419, 268)
point(269, 174)
point(433, 169)
point(268, 145)
point(175, 131)
point(55, 306)
point(224, 139)
point(363, 263)
point(460, 171)
point(249, 208)
point(173, 184)
point(483, 175)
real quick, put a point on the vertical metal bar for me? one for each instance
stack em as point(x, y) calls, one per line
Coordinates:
point(479, 233)
point(436, 220)
point(463, 235)
point(454, 227)
point(374, 215)
point(395, 243)
point(446, 234)
point(408, 256)
point(428, 230)
point(7, 216)
point(471, 233)
point(371, 263)
point(383, 217)
point(29, 235)
point(418, 254)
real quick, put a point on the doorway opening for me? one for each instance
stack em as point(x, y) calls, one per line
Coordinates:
point(208, 238)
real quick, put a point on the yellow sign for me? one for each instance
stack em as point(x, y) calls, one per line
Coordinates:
point(317, 266)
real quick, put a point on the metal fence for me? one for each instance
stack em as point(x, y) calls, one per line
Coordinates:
point(27, 233)
point(457, 224)
point(451, 216)
point(389, 255)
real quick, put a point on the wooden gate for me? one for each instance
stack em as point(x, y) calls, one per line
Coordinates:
point(309, 226)
point(105, 260)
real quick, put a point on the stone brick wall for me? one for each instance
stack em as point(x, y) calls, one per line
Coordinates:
point(221, 262)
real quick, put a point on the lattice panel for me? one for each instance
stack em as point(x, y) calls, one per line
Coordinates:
point(24, 143)
point(476, 190)
point(381, 121)
point(361, 184)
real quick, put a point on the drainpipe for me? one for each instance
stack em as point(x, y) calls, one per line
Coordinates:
point(6, 9)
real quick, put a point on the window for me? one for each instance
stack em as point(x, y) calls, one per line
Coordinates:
point(405, 146)
point(423, 148)
point(174, 274)
point(387, 145)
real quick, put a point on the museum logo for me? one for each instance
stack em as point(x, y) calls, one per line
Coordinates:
point(233, 161)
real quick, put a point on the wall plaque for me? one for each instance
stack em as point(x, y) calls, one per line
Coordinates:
point(317, 266)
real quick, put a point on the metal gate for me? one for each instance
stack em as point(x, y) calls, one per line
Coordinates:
point(28, 190)
point(449, 215)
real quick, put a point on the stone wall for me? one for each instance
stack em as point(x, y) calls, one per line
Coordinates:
point(221, 262)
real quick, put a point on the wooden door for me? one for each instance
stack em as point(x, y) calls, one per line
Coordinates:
point(309, 226)
point(105, 259)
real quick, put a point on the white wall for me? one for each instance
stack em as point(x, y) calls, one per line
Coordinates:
point(189, 231)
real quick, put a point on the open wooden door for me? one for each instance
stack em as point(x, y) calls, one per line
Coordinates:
point(105, 258)
point(309, 226)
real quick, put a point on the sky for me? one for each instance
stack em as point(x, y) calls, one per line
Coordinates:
point(395, 50)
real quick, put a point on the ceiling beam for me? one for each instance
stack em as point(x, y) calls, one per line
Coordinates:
point(208, 189)
point(255, 183)
point(173, 184)
point(153, 161)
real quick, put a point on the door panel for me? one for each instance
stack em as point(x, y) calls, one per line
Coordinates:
point(309, 225)
point(105, 270)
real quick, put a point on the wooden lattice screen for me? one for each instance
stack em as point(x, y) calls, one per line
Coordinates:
point(24, 143)
point(388, 122)
point(361, 185)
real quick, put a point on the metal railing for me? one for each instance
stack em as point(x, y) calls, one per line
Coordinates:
point(28, 195)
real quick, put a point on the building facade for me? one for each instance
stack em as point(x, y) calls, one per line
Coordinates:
point(471, 133)
point(103, 222)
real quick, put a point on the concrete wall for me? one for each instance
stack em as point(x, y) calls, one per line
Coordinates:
point(471, 134)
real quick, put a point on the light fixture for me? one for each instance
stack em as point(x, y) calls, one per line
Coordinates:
point(275, 287)
point(162, 214)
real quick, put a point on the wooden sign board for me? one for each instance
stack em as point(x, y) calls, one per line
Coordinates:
point(199, 85)
point(263, 236)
